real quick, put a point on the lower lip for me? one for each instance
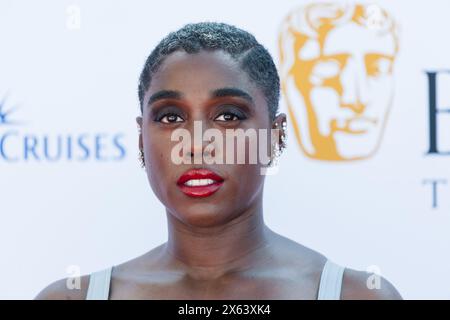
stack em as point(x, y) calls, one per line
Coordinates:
point(200, 191)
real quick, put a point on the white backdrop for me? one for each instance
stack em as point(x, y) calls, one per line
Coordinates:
point(67, 81)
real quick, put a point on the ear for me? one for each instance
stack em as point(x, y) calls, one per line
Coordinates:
point(277, 123)
point(139, 124)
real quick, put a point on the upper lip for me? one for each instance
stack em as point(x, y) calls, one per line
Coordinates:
point(199, 174)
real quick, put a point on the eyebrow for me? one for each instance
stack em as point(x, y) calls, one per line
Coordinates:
point(218, 93)
point(231, 92)
point(164, 94)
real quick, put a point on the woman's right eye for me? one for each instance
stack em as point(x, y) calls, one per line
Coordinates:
point(170, 118)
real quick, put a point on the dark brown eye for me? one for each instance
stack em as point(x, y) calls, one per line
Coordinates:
point(170, 118)
point(228, 116)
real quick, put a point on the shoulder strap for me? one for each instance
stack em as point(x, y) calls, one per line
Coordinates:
point(99, 285)
point(331, 281)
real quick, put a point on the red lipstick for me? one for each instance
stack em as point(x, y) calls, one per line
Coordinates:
point(199, 182)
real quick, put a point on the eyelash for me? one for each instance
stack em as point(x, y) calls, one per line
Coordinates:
point(159, 118)
point(236, 115)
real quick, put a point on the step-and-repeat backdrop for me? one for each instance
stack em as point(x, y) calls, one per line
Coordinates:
point(365, 179)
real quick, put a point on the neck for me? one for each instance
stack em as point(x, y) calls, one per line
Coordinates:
point(210, 252)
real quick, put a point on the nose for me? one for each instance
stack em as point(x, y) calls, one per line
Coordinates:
point(198, 147)
point(355, 93)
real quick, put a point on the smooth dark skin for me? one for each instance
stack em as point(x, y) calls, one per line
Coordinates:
point(219, 246)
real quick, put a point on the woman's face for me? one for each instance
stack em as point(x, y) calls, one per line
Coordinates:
point(187, 89)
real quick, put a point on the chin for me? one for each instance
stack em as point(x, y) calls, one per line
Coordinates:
point(203, 215)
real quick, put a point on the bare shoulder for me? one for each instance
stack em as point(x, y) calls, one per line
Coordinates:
point(298, 254)
point(361, 285)
point(142, 263)
point(356, 285)
point(63, 289)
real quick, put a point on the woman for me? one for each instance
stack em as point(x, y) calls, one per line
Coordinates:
point(218, 247)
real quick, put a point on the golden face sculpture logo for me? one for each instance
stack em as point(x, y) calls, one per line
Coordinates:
point(336, 70)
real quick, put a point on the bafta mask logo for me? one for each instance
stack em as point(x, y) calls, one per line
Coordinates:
point(336, 70)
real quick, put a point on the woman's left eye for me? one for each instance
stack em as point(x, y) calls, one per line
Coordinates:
point(227, 116)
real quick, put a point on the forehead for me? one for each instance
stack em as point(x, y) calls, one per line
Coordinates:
point(200, 72)
point(362, 39)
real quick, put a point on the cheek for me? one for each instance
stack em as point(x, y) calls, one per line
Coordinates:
point(158, 163)
point(249, 183)
point(248, 176)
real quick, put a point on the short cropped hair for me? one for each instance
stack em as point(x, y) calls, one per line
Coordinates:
point(253, 57)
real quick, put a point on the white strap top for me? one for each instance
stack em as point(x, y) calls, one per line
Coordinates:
point(331, 281)
point(99, 285)
point(329, 288)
